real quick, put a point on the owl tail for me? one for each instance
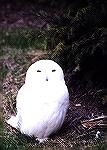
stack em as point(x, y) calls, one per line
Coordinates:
point(13, 121)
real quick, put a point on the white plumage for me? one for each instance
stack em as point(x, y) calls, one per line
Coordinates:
point(42, 102)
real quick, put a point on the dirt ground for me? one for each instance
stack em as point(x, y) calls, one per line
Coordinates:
point(18, 14)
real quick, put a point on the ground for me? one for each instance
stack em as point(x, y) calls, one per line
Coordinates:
point(73, 134)
point(85, 102)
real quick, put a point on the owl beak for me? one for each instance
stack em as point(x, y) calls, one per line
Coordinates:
point(46, 78)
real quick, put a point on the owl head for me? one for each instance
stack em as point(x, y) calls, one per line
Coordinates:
point(44, 71)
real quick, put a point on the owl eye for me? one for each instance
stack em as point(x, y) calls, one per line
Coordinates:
point(53, 70)
point(38, 71)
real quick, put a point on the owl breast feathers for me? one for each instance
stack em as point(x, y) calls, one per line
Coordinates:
point(42, 102)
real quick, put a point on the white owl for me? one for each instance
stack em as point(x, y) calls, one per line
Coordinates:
point(42, 102)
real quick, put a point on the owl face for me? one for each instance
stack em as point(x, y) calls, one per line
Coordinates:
point(44, 71)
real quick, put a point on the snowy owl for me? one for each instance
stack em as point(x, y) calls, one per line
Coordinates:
point(42, 102)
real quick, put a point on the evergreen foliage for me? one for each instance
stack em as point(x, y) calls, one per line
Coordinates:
point(84, 37)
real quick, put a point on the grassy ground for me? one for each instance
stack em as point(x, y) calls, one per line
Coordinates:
point(22, 38)
point(19, 47)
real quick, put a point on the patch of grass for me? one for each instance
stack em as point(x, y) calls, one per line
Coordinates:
point(22, 38)
point(102, 147)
